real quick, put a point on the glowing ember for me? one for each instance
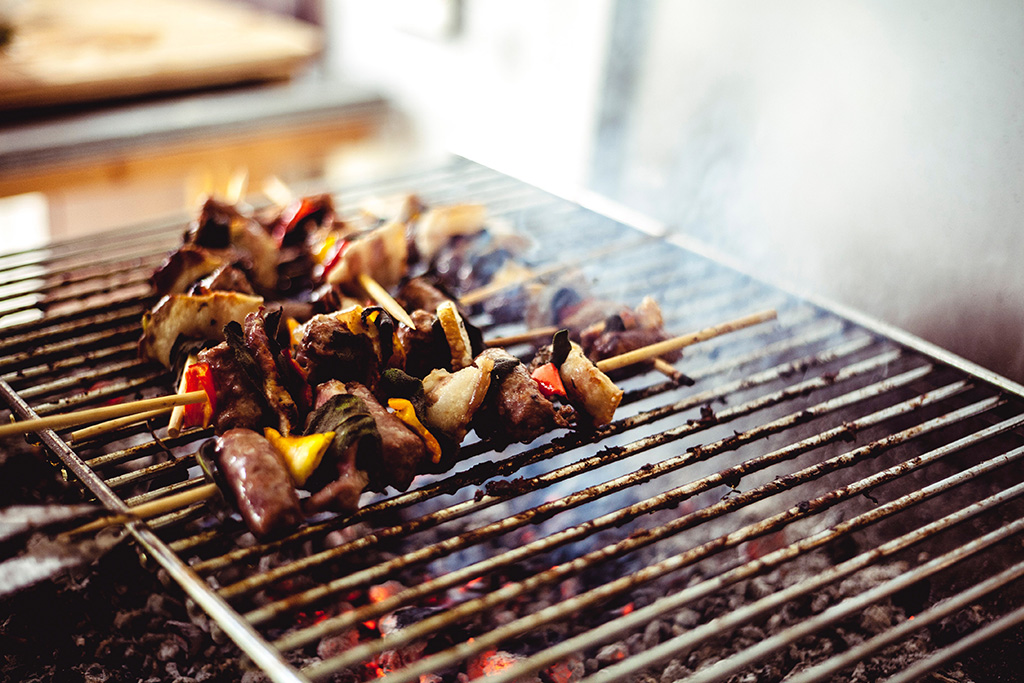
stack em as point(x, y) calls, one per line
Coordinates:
point(383, 591)
point(566, 671)
point(490, 663)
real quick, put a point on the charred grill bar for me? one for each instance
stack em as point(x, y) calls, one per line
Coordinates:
point(826, 486)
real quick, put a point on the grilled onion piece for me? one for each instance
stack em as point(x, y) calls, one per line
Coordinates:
point(194, 317)
point(588, 387)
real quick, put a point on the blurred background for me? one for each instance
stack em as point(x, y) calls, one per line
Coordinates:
point(870, 152)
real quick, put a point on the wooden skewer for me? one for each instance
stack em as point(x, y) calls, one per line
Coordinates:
point(277, 191)
point(80, 417)
point(87, 433)
point(153, 508)
point(667, 369)
point(386, 301)
point(487, 291)
point(676, 343)
point(178, 412)
point(237, 185)
point(529, 335)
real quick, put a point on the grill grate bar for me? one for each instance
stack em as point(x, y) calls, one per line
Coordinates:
point(662, 501)
point(606, 457)
point(91, 359)
point(34, 339)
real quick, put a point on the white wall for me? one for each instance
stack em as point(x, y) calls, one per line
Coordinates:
point(873, 151)
point(515, 89)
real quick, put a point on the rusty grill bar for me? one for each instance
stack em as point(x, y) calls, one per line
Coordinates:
point(823, 438)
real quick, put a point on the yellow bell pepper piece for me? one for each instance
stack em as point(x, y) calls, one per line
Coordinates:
point(302, 454)
point(407, 414)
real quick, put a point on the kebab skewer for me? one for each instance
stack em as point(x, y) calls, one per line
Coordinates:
point(270, 507)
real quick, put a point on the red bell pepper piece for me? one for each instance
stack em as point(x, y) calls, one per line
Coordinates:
point(336, 259)
point(549, 381)
point(199, 376)
point(292, 216)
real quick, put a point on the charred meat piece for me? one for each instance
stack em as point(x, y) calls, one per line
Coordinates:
point(239, 405)
point(466, 262)
point(227, 278)
point(184, 267)
point(420, 293)
point(257, 477)
point(341, 477)
point(235, 238)
point(193, 317)
point(425, 347)
point(329, 350)
point(626, 330)
point(515, 410)
point(401, 449)
point(267, 353)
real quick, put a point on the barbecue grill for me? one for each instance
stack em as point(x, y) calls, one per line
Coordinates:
point(829, 495)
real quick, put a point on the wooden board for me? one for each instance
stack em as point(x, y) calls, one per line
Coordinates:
point(67, 51)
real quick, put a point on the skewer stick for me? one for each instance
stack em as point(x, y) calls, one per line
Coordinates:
point(386, 301)
point(667, 369)
point(479, 294)
point(87, 433)
point(529, 335)
point(178, 412)
point(153, 508)
point(98, 414)
point(676, 343)
point(237, 185)
point(277, 191)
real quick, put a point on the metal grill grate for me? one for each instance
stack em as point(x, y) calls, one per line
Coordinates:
point(884, 467)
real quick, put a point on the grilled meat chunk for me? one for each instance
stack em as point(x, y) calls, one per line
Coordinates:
point(329, 350)
point(257, 477)
point(238, 403)
point(515, 410)
point(194, 317)
point(183, 268)
point(401, 449)
point(233, 237)
point(419, 293)
point(341, 477)
point(267, 353)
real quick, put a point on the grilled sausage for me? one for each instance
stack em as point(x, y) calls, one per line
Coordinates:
point(258, 478)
